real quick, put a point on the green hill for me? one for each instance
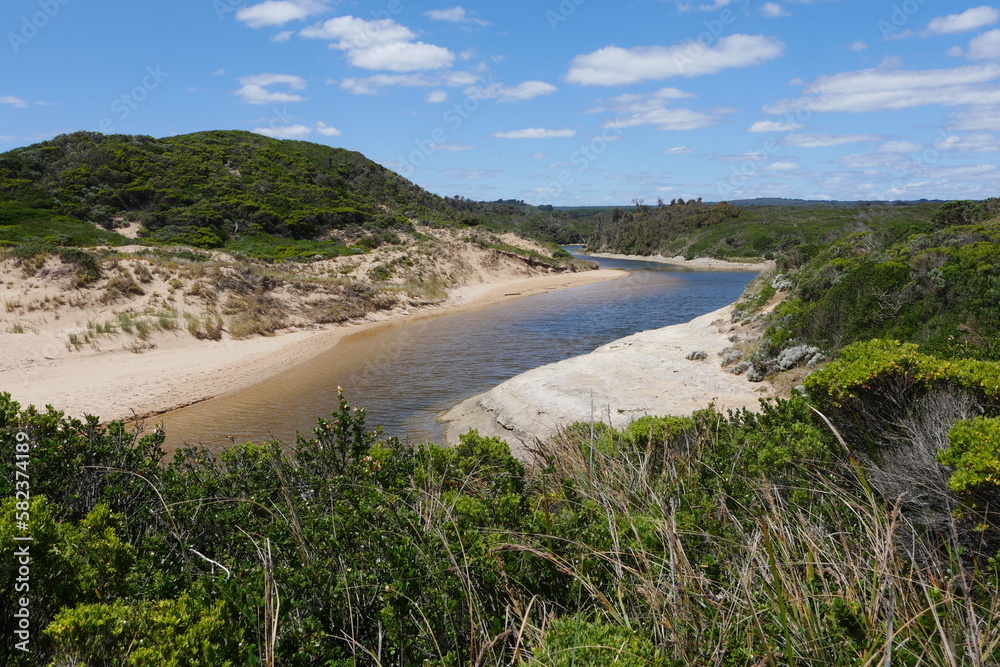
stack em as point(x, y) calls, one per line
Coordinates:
point(211, 189)
point(204, 188)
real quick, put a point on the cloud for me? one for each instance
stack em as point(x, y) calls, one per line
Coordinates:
point(520, 92)
point(973, 143)
point(380, 44)
point(825, 140)
point(976, 119)
point(677, 150)
point(282, 36)
point(857, 46)
point(971, 19)
point(436, 97)
point(278, 12)
point(899, 147)
point(632, 110)
point(454, 15)
point(614, 66)
point(327, 130)
point(535, 133)
point(773, 10)
point(13, 101)
point(882, 90)
point(373, 84)
point(774, 126)
point(781, 166)
point(985, 46)
point(255, 88)
point(285, 131)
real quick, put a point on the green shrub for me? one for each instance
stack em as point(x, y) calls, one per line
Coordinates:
point(577, 641)
point(974, 455)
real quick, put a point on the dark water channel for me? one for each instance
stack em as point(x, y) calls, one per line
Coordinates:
point(406, 374)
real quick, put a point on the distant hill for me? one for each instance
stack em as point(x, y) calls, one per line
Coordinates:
point(207, 184)
point(815, 203)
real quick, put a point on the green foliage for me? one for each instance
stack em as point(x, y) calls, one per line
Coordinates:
point(974, 455)
point(185, 632)
point(239, 190)
point(575, 641)
point(727, 539)
point(937, 289)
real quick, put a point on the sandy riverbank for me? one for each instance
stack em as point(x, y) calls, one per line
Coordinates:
point(704, 263)
point(38, 369)
point(643, 374)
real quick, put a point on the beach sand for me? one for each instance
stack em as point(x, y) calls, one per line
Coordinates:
point(37, 368)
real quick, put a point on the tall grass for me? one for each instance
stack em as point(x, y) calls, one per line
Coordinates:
point(841, 579)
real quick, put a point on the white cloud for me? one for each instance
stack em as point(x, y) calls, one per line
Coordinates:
point(402, 57)
point(380, 44)
point(955, 52)
point(612, 65)
point(985, 46)
point(677, 150)
point(773, 10)
point(255, 88)
point(278, 12)
point(881, 90)
point(857, 46)
point(633, 110)
point(327, 130)
point(971, 19)
point(535, 133)
point(774, 126)
point(520, 92)
point(454, 15)
point(436, 97)
point(977, 119)
point(13, 101)
point(282, 36)
point(539, 156)
point(781, 166)
point(373, 84)
point(825, 140)
point(899, 147)
point(285, 131)
point(973, 143)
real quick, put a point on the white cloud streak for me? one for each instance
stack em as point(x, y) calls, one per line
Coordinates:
point(615, 66)
point(256, 88)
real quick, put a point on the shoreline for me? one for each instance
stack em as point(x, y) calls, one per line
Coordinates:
point(647, 373)
point(182, 371)
point(698, 263)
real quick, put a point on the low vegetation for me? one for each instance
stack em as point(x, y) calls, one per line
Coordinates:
point(827, 529)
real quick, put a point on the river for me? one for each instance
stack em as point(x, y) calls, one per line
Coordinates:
point(405, 374)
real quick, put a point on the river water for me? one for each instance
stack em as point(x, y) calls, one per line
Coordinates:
point(405, 374)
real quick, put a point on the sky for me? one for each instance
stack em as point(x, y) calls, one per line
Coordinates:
point(562, 102)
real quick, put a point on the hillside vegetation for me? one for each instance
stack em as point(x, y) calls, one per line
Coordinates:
point(237, 190)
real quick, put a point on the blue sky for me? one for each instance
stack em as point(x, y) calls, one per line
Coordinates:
point(551, 101)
